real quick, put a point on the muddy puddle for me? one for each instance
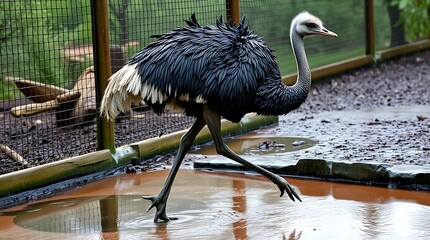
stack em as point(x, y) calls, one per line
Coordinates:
point(212, 205)
point(254, 144)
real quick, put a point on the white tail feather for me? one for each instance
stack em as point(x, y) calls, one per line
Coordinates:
point(123, 89)
point(126, 87)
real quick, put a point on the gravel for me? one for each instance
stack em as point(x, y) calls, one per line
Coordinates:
point(398, 84)
point(375, 114)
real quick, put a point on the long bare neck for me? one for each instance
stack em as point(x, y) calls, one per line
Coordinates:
point(291, 97)
point(303, 82)
point(276, 98)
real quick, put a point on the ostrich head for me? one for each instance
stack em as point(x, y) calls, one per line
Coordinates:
point(306, 24)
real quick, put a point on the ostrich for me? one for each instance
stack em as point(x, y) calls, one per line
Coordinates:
point(211, 72)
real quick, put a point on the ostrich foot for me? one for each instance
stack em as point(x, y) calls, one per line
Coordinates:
point(284, 186)
point(160, 204)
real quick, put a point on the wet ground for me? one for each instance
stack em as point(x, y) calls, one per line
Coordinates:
point(393, 135)
point(372, 115)
point(377, 134)
point(212, 205)
point(377, 114)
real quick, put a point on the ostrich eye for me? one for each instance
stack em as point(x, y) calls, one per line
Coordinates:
point(311, 25)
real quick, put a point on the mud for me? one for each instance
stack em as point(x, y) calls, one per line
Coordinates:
point(254, 144)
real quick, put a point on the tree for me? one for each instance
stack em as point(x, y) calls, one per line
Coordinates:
point(398, 36)
point(120, 13)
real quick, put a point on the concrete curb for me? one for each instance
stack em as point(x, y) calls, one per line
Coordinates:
point(393, 176)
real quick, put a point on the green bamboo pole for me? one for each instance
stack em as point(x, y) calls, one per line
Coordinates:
point(102, 63)
point(170, 142)
point(100, 161)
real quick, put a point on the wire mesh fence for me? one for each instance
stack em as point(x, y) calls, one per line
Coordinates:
point(388, 32)
point(47, 78)
point(133, 31)
point(48, 83)
point(395, 25)
point(45, 49)
point(271, 19)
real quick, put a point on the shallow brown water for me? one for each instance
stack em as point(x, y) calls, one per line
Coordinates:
point(254, 144)
point(213, 205)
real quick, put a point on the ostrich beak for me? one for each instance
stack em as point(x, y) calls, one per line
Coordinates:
point(325, 32)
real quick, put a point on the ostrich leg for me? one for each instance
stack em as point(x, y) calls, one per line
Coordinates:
point(160, 201)
point(213, 120)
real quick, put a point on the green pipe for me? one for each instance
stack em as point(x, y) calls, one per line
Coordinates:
point(168, 143)
point(43, 175)
point(104, 160)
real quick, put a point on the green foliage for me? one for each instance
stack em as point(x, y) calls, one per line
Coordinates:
point(24, 50)
point(70, 21)
point(7, 31)
point(33, 35)
point(415, 17)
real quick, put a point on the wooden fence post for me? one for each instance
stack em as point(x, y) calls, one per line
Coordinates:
point(370, 28)
point(102, 66)
point(233, 11)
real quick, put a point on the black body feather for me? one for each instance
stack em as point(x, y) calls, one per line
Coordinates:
point(211, 71)
point(226, 65)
